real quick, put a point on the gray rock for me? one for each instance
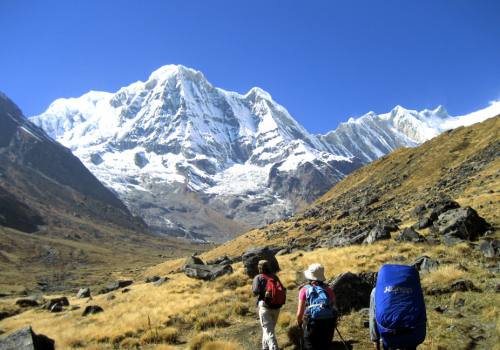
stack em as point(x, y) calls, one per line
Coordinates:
point(377, 233)
point(489, 249)
point(193, 260)
point(83, 293)
point(115, 285)
point(56, 308)
point(152, 279)
point(352, 291)
point(110, 297)
point(425, 264)
point(160, 281)
point(456, 286)
point(62, 301)
point(251, 259)
point(26, 339)
point(26, 302)
point(221, 260)
point(410, 235)
point(92, 309)
point(462, 223)
point(207, 272)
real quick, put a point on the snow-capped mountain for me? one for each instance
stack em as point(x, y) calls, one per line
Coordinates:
point(374, 135)
point(195, 160)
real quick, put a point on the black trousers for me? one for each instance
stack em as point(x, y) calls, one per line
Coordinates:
point(318, 334)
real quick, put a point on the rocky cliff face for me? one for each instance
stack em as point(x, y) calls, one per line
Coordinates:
point(197, 161)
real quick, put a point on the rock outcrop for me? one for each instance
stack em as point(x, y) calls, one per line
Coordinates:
point(252, 257)
point(26, 339)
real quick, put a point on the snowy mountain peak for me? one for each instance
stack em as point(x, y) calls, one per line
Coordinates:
point(159, 142)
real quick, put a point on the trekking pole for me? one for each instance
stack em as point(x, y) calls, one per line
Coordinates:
point(343, 341)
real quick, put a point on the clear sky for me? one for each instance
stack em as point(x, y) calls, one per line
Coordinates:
point(323, 60)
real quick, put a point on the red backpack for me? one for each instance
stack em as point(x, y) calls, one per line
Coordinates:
point(275, 292)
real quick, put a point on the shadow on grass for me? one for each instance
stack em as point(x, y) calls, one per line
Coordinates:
point(340, 345)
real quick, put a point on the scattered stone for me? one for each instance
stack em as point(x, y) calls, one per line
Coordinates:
point(456, 286)
point(83, 293)
point(92, 309)
point(283, 251)
point(221, 260)
point(160, 281)
point(125, 290)
point(410, 235)
point(56, 308)
point(50, 305)
point(115, 285)
point(353, 291)
point(251, 258)
point(440, 309)
point(459, 302)
point(110, 297)
point(489, 249)
point(152, 279)
point(74, 307)
point(207, 272)
point(399, 258)
point(310, 227)
point(26, 339)
point(193, 260)
point(343, 215)
point(26, 302)
point(463, 223)
point(425, 264)
point(377, 233)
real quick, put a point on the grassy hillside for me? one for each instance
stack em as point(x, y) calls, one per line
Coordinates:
point(184, 313)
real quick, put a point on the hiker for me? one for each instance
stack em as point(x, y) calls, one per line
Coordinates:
point(316, 312)
point(271, 296)
point(397, 310)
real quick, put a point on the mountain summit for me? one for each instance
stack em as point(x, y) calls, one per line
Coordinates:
point(197, 161)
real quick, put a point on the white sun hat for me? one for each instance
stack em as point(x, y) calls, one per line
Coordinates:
point(315, 272)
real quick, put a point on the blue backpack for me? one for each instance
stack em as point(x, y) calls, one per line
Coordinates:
point(318, 303)
point(400, 307)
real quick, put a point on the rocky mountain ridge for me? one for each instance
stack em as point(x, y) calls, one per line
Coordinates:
point(197, 161)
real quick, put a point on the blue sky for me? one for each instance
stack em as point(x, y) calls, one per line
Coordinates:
point(323, 60)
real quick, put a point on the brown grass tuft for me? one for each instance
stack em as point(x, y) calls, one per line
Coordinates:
point(155, 336)
point(221, 345)
point(199, 340)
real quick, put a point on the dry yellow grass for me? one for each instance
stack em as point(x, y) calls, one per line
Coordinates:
point(197, 341)
point(221, 345)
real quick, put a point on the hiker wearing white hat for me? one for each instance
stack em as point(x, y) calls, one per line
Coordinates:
point(316, 312)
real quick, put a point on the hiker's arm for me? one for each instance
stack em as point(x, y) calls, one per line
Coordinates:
point(300, 311)
point(374, 336)
point(256, 286)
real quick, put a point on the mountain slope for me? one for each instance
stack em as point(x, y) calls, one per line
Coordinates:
point(197, 161)
point(462, 164)
point(56, 218)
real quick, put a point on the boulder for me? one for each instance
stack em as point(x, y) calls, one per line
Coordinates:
point(221, 260)
point(423, 223)
point(160, 281)
point(152, 279)
point(115, 285)
point(489, 249)
point(92, 309)
point(83, 293)
point(352, 291)
point(193, 260)
point(50, 305)
point(462, 223)
point(207, 272)
point(377, 233)
point(455, 286)
point(410, 235)
point(424, 264)
point(26, 302)
point(26, 339)
point(251, 259)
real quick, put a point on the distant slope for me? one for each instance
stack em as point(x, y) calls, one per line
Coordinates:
point(462, 164)
point(56, 218)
